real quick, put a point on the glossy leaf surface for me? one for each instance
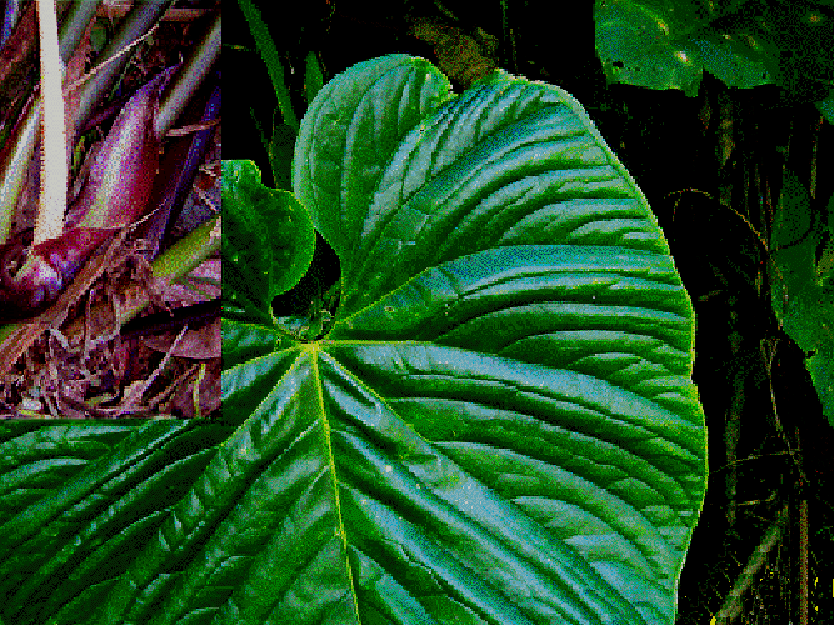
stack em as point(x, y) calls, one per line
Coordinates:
point(500, 426)
point(97, 518)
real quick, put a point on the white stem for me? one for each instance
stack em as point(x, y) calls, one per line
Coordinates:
point(53, 201)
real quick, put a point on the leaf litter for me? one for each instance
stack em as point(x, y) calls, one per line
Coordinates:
point(164, 364)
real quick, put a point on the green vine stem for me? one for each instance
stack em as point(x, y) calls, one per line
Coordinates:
point(179, 260)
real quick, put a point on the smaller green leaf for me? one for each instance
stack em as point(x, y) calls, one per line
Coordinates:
point(268, 241)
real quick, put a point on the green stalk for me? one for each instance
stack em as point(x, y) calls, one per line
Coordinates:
point(273, 62)
point(177, 262)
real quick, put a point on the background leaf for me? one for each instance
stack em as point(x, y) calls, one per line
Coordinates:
point(802, 303)
point(744, 44)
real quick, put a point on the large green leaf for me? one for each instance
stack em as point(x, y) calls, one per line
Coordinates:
point(500, 426)
point(97, 519)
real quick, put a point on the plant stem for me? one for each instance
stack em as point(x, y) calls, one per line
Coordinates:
point(266, 46)
point(803, 560)
point(53, 200)
point(734, 600)
point(175, 263)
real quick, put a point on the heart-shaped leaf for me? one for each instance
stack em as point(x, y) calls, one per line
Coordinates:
point(501, 425)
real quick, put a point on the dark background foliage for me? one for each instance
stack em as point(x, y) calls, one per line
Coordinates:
point(702, 162)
